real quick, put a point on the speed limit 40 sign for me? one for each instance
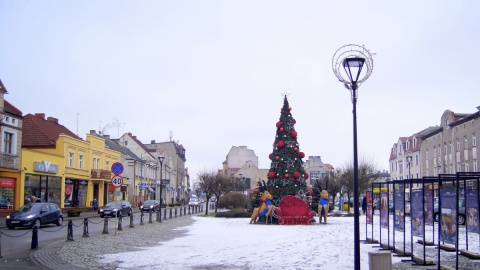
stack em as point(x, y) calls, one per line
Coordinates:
point(117, 181)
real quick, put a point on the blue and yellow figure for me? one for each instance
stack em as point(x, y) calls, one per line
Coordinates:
point(323, 206)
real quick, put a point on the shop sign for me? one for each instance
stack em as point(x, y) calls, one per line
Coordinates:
point(7, 182)
point(45, 166)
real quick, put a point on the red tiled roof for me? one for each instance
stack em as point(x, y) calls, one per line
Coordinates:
point(38, 131)
point(12, 109)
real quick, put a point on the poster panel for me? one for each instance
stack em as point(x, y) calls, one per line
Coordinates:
point(416, 212)
point(448, 218)
point(384, 210)
point(472, 214)
point(368, 194)
point(399, 210)
point(428, 207)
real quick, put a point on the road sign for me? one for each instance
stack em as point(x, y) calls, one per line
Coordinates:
point(117, 181)
point(117, 168)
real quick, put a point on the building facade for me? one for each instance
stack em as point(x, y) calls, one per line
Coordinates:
point(317, 170)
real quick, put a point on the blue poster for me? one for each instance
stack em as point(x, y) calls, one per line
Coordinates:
point(428, 207)
point(472, 210)
point(448, 217)
point(416, 212)
point(399, 217)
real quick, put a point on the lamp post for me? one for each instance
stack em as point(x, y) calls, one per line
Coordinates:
point(353, 58)
point(409, 162)
point(160, 158)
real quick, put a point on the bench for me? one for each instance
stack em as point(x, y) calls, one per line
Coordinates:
point(293, 210)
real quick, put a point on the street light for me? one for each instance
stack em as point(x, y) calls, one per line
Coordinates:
point(161, 159)
point(409, 162)
point(353, 58)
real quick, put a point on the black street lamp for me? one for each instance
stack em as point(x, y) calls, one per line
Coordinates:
point(409, 163)
point(160, 158)
point(353, 58)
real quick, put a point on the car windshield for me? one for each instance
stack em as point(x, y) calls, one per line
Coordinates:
point(113, 204)
point(29, 207)
point(149, 202)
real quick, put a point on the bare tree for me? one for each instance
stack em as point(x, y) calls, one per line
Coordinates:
point(207, 183)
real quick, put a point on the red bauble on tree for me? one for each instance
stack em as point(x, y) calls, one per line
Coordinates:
point(281, 129)
point(270, 156)
point(277, 157)
point(306, 176)
point(271, 175)
point(281, 144)
point(296, 175)
point(279, 124)
point(294, 134)
point(301, 155)
point(295, 148)
point(287, 175)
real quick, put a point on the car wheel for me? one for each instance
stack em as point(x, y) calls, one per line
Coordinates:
point(37, 223)
point(461, 219)
point(10, 227)
point(435, 217)
point(59, 221)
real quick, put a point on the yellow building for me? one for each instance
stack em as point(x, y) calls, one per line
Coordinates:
point(62, 168)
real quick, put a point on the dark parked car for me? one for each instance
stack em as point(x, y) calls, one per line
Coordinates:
point(35, 214)
point(4, 203)
point(150, 206)
point(115, 208)
point(461, 213)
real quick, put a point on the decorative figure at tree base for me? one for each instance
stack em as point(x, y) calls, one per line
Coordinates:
point(323, 206)
point(266, 206)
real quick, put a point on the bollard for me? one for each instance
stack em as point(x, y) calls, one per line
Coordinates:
point(1, 245)
point(380, 260)
point(105, 225)
point(159, 213)
point(85, 228)
point(171, 211)
point(34, 237)
point(175, 211)
point(131, 221)
point(189, 209)
point(149, 216)
point(156, 215)
point(184, 211)
point(141, 218)
point(165, 213)
point(120, 221)
point(70, 231)
point(180, 211)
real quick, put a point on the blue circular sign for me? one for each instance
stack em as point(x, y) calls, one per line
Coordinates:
point(117, 168)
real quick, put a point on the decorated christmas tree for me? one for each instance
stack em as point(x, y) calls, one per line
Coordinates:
point(286, 175)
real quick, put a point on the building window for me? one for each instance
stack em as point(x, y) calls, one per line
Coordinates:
point(107, 165)
point(13, 120)
point(475, 168)
point(458, 144)
point(8, 143)
point(459, 168)
point(70, 160)
point(465, 139)
point(467, 167)
point(414, 142)
point(474, 140)
point(408, 145)
point(450, 146)
point(80, 161)
point(98, 163)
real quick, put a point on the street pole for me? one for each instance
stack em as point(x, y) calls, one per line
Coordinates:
point(160, 158)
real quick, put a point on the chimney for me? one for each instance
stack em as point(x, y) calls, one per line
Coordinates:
point(41, 115)
point(92, 132)
point(106, 136)
point(52, 119)
point(152, 142)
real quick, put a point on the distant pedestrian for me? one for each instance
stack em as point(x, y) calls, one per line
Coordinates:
point(95, 204)
point(364, 205)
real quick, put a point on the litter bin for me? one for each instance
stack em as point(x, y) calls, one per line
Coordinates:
point(345, 206)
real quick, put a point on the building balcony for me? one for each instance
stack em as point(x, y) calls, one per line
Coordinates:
point(101, 174)
point(9, 161)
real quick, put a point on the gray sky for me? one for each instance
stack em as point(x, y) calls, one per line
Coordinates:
point(213, 72)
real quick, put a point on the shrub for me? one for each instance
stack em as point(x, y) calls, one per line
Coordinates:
point(232, 200)
point(234, 213)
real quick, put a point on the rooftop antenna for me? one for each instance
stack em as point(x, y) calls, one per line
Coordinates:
point(77, 124)
point(171, 134)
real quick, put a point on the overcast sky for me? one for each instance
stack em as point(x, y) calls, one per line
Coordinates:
point(214, 72)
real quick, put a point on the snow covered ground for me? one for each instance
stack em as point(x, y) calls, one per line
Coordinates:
point(219, 243)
